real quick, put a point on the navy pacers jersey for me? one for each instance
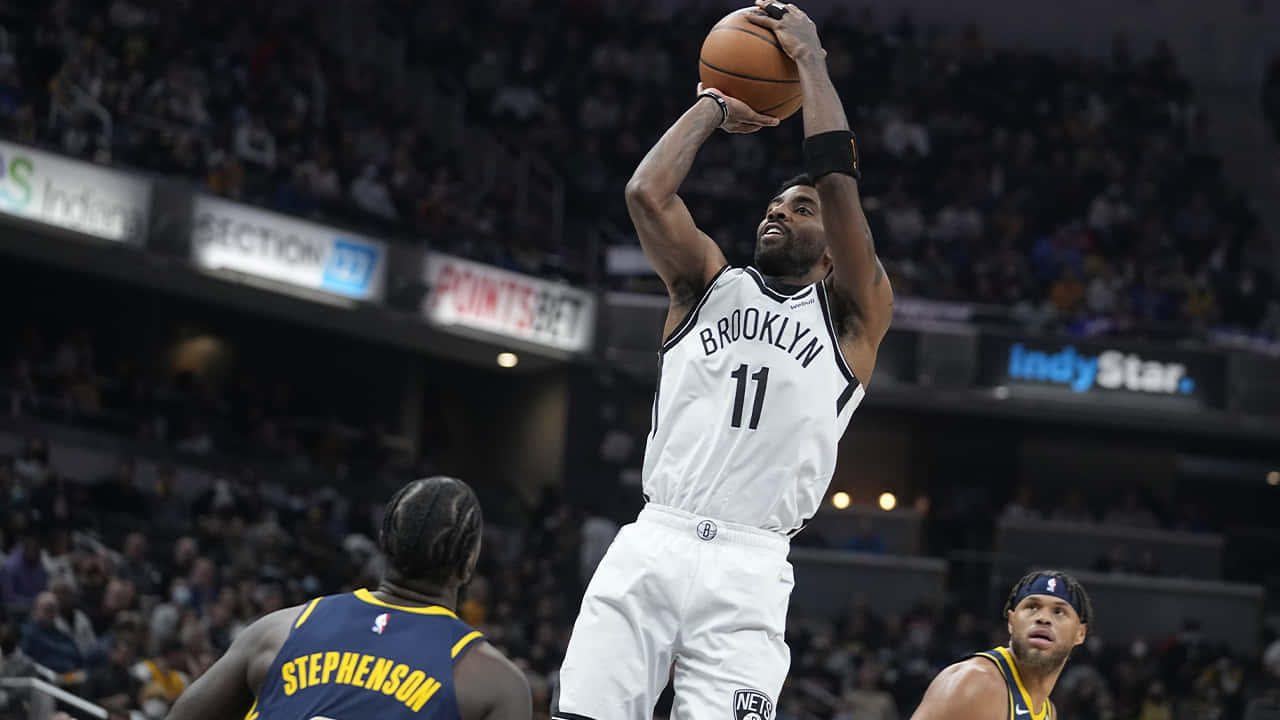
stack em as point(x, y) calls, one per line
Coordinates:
point(1019, 700)
point(353, 656)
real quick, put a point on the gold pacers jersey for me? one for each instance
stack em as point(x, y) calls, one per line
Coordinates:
point(353, 656)
point(1019, 699)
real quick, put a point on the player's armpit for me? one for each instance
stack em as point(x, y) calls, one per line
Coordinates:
point(488, 686)
point(970, 690)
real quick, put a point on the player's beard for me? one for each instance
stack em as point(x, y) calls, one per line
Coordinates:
point(790, 258)
point(1040, 662)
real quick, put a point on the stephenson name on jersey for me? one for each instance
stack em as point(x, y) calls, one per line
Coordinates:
point(354, 656)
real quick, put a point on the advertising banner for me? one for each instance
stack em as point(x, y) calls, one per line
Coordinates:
point(1101, 372)
point(481, 297)
point(231, 236)
point(73, 195)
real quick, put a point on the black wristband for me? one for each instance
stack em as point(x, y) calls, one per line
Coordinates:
point(724, 106)
point(828, 152)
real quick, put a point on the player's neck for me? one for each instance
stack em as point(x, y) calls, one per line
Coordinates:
point(404, 593)
point(1038, 685)
point(791, 283)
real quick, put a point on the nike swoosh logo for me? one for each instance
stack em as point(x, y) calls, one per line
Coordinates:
point(1021, 711)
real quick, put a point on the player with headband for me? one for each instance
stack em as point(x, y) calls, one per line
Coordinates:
point(1048, 613)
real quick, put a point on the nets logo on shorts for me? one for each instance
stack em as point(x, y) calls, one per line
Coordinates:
point(706, 530)
point(752, 705)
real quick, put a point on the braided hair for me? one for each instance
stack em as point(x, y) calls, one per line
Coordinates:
point(431, 530)
point(1073, 586)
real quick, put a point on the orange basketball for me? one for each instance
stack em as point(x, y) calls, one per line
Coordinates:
point(745, 61)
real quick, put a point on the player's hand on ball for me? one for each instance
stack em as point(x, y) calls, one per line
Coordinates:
point(796, 32)
point(741, 119)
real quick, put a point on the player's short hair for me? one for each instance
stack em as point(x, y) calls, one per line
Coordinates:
point(801, 179)
point(431, 529)
point(1085, 609)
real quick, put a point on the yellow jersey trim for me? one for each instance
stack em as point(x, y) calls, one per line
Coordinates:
point(1017, 679)
point(991, 656)
point(306, 613)
point(253, 712)
point(463, 643)
point(366, 596)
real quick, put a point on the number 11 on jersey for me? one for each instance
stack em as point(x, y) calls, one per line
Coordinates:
point(761, 378)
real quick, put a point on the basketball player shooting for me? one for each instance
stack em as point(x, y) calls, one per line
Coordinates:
point(397, 653)
point(761, 369)
point(1048, 614)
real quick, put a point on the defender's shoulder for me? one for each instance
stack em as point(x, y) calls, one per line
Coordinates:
point(276, 624)
point(976, 673)
point(972, 689)
point(488, 684)
point(261, 641)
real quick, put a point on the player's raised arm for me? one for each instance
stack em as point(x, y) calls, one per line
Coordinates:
point(684, 257)
point(831, 158)
point(970, 690)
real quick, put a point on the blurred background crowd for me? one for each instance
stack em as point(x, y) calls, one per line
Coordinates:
point(1081, 195)
point(128, 619)
point(124, 587)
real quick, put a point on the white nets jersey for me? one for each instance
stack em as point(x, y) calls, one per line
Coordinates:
point(753, 396)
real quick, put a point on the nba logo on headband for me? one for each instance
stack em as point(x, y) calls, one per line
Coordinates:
point(1047, 584)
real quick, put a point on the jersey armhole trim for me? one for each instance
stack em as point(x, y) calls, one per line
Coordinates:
point(995, 660)
point(465, 643)
point(841, 362)
point(687, 323)
point(306, 613)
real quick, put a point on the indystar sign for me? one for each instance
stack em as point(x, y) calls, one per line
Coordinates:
point(1100, 370)
point(73, 195)
point(1110, 369)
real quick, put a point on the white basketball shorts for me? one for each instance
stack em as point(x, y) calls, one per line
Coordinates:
point(677, 591)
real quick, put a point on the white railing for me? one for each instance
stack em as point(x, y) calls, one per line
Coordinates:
point(42, 699)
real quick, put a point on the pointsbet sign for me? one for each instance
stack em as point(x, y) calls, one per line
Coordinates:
point(73, 195)
point(480, 297)
point(1097, 370)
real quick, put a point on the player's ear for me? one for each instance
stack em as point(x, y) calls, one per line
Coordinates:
point(1081, 633)
point(1008, 616)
